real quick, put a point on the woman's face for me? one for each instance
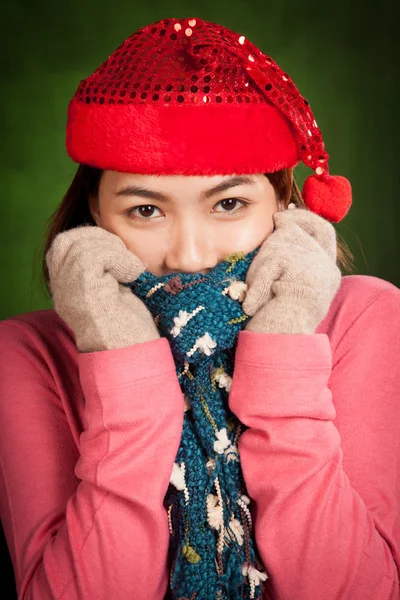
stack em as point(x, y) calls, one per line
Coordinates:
point(178, 223)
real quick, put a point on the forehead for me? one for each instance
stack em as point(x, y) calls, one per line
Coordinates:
point(118, 180)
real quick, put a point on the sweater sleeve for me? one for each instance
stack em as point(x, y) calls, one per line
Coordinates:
point(326, 504)
point(108, 538)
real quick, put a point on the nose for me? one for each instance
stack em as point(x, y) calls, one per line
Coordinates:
point(191, 250)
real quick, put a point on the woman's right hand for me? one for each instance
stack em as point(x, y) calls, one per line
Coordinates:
point(85, 267)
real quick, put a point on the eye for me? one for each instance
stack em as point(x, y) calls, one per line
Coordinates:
point(230, 204)
point(145, 212)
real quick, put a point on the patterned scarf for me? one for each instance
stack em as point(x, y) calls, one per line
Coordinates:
point(212, 552)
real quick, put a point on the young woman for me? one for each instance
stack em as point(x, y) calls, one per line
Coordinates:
point(211, 409)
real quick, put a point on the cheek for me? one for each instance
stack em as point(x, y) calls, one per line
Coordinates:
point(149, 247)
point(250, 233)
point(138, 242)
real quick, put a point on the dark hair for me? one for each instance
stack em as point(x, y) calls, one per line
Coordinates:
point(74, 209)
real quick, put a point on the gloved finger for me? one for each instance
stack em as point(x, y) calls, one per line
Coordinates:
point(124, 265)
point(314, 225)
point(65, 240)
point(96, 258)
point(260, 282)
point(93, 251)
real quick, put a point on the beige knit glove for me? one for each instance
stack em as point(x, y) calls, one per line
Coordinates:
point(85, 267)
point(294, 277)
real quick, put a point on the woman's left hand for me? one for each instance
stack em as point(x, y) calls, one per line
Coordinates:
point(294, 277)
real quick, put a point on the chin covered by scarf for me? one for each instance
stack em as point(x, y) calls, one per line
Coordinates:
point(212, 551)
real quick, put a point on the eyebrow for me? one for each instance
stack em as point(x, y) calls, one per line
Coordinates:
point(135, 190)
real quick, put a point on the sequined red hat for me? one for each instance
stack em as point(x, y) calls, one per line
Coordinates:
point(190, 97)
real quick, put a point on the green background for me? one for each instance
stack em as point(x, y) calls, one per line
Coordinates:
point(341, 55)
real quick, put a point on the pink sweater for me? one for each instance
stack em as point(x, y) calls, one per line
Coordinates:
point(87, 444)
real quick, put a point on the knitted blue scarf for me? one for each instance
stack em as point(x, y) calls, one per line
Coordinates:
point(212, 550)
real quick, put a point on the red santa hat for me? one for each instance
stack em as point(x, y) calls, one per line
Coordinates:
point(190, 97)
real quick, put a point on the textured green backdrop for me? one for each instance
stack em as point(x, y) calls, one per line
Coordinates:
point(342, 56)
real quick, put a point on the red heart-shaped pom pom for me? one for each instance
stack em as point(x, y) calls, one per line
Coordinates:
point(328, 196)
